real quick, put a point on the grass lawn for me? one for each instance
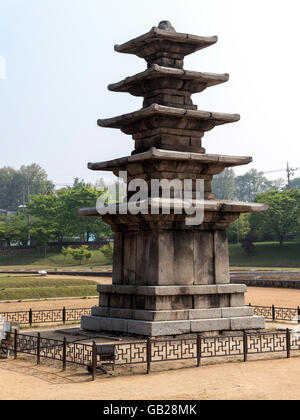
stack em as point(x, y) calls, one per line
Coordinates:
point(267, 254)
point(53, 261)
point(20, 288)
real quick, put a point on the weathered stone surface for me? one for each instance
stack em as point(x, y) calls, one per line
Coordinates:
point(237, 299)
point(195, 314)
point(205, 325)
point(247, 323)
point(237, 312)
point(156, 329)
point(100, 311)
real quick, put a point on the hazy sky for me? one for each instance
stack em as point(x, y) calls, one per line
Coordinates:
point(59, 60)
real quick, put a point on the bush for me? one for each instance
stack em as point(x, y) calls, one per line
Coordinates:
point(79, 254)
point(108, 252)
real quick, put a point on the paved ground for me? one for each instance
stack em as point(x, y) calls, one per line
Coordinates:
point(276, 379)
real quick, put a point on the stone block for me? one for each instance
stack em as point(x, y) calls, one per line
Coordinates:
point(161, 315)
point(100, 311)
point(91, 323)
point(237, 312)
point(114, 324)
point(120, 313)
point(204, 313)
point(156, 329)
point(237, 299)
point(247, 323)
point(204, 325)
point(231, 288)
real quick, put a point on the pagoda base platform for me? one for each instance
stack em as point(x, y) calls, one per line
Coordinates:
point(155, 311)
point(165, 328)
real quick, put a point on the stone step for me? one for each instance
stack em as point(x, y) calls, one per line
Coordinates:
point(156, 329)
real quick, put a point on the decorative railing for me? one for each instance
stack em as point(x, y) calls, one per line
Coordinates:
point(64, 315)
point(152, 351)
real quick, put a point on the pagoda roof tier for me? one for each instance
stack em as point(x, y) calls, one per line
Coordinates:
point(191, 116)
point(158, 41)
point(156, 154)
point(217, 206)
point(190, 81)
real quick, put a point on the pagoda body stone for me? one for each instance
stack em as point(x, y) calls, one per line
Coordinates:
point(169, 277)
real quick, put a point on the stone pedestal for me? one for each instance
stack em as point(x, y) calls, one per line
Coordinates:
point(170, 278)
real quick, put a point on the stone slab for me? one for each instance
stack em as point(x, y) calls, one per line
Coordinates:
point(247, 323)
point(205, 325)
point(173, 290)
point(195, 314)
point(237, 312)
point(156, 329)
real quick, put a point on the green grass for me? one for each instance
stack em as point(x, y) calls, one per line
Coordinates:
point(47, 292)
point(27, 282)
point(267, 254)
point(53, 261)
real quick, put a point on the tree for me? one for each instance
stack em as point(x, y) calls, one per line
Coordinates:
point(108, 252)
point(79, 254)
point(239, 229)
point(282, 217)
point(14, 229)
point(294, 184)
point(58, 213)
point(17, 185)
point(223, 185)
point(252, 183)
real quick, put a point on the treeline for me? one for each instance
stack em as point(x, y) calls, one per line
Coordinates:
point(33, 212)
point(281, 220)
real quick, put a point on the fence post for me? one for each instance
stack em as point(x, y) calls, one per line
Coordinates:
point(199, 342)
point(245, 346)
point(64, 354)
point(16, 344)
point(94, 361)
point(298, 314)
point(288, 343)
point(149, 355)
point(273, 313)
point(30, 317)
point(38, 349)
point(64, 315)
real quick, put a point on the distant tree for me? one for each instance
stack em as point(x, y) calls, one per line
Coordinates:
point(80, 254)
point(108, 251)
point(283, 216)
point(294, 184)
point(223, 185)
point(252, 183)
point(14, 229)
point(248, 242)
point(239, 229)
point(17, 185)
point(58, 213)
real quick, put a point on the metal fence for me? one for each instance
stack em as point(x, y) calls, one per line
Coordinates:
point(64, 315)
point(46, 316)
point(152, 351)
point(278, 314)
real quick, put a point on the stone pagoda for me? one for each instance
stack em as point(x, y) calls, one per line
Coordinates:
point(171, 278)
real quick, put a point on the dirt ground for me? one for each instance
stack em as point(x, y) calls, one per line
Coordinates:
point(253, 380)
point(267, 296)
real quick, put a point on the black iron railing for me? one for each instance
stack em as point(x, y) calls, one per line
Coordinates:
point(152, 351)
point(63, 315)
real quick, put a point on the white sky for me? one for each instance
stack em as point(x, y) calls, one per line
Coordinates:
point(59, 60)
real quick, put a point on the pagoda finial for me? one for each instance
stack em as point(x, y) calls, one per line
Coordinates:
point(166, 26)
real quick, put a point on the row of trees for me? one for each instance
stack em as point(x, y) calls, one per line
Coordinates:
point(282, 218)
point(246, 187)
point(52, 217)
